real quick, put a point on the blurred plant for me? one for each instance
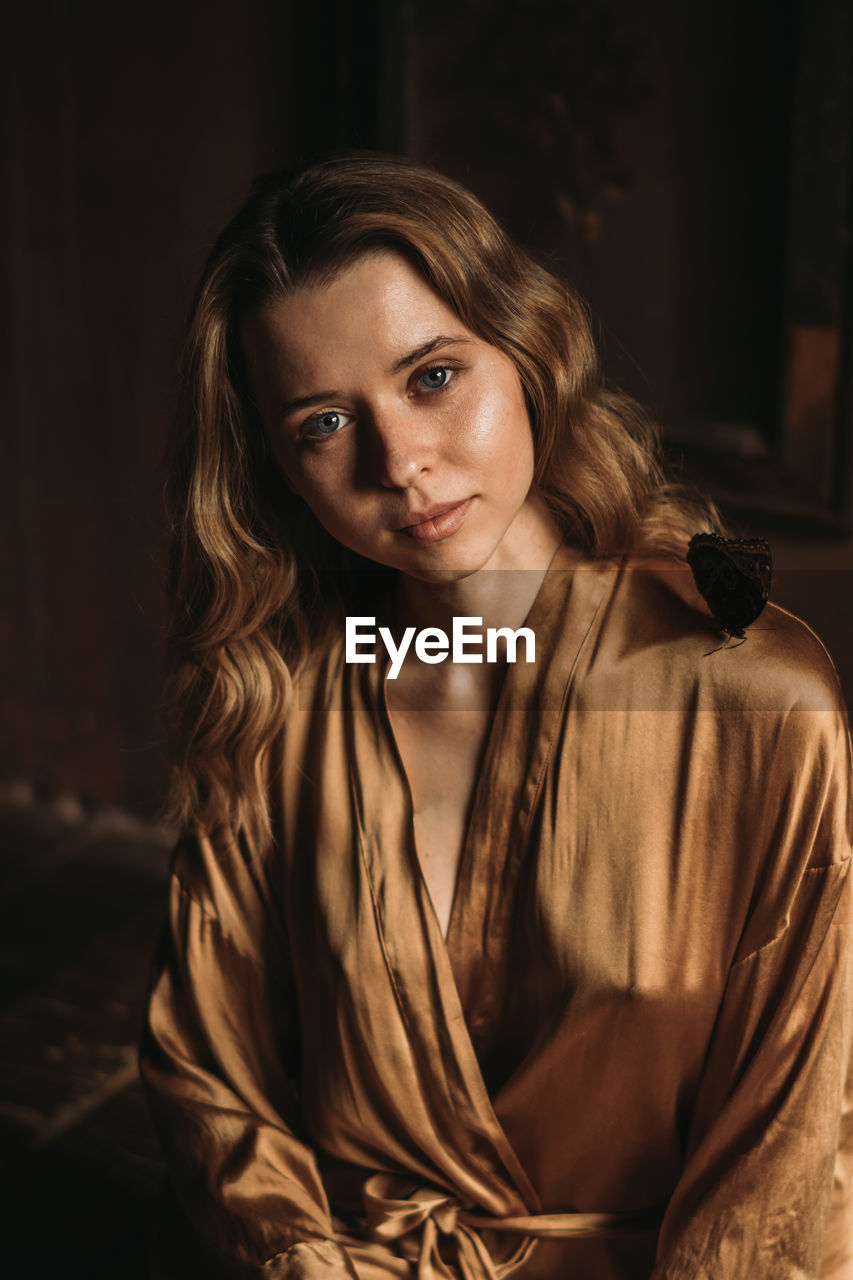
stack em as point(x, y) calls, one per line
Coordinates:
point(552, 78)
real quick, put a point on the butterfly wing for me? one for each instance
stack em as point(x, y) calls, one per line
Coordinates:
point(733, 575)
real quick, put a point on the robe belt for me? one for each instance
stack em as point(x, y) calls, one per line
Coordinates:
point(434, 1213)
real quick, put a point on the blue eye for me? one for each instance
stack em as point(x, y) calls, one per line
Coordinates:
point(436, 378)
point(327, 424)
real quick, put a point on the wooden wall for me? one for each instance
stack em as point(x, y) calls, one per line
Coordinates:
point(129, 133)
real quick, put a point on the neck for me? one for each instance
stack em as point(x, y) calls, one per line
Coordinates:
point(501, 592)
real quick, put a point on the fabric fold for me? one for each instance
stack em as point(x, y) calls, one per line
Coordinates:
point(420, 1218)
point(643, 998)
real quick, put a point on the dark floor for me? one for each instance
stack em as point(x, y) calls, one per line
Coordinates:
point(82, 898)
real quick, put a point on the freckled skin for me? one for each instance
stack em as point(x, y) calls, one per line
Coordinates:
point(403, 446)
point(387, 443)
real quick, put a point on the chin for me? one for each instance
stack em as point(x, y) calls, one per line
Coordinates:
point(440, 576)
point(454, 565)
point(451, 560)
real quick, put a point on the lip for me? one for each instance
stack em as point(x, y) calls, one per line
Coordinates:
point(437, 522)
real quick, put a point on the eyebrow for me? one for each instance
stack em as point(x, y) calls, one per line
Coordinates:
point(405, 362)
point(425, 349)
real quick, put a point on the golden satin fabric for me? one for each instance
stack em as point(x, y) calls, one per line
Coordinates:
point(626, 1059)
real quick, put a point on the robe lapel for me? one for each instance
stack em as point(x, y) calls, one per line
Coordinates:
point(528, 713)
point(447, 990)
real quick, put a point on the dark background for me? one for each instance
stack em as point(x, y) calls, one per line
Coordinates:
point(688, 167)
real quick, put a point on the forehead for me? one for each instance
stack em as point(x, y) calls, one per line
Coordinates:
point(373, 311)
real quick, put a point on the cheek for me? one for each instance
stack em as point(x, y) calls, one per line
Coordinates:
point(319, 486)
point(332, 501)
point(492, 415)
point(285, 463)
point(339, 516)
point(504, 432)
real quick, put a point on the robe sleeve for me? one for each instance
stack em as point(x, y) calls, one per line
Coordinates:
point(218, 1058)
point(769, 1154)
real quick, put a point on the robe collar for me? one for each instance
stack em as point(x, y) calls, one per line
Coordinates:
point(449, 990)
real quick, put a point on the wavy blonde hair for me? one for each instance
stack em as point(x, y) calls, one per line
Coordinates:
point(246, 570)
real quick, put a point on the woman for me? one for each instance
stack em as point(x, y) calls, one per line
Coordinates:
point(500, 967)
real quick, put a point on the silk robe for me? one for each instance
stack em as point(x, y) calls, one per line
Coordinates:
point(626, 1059)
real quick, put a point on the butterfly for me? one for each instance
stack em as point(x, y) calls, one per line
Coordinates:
point(733, 575)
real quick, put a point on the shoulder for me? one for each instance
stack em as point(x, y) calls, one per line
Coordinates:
point(659, 624)
point(317, 684)
point(311, 758)
point(217, 884)
point(759, 727)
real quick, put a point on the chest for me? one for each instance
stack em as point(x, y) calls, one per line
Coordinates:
point(441, 750)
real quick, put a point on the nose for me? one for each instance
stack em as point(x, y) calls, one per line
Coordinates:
point(402, 446)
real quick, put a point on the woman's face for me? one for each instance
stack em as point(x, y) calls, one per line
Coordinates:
point(406, 435)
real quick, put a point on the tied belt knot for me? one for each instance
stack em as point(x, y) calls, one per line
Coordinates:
point(417, 1220)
